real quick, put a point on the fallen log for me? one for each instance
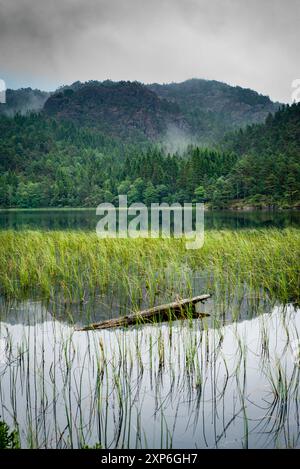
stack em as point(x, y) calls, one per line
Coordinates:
point(181, 309)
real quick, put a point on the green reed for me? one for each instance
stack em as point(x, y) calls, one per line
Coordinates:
point(78, 265)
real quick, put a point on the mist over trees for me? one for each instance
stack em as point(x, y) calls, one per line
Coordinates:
point(52, 159)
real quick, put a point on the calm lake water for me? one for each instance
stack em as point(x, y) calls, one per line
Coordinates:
point(229, 381)
point(188, 386)
point(86, 219)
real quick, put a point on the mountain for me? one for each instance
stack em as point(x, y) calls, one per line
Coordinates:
point(92, 141)
point(23, 100)
point(124, 109)
point(212, 108)
point(175, 114)
point(196, 110)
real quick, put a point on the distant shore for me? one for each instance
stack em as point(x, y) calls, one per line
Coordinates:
point(230, 208)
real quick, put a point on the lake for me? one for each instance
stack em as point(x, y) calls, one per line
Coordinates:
point(234, 386)
point(86, 219)
point(230, 380)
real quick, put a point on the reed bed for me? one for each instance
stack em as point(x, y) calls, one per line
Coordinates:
point(160, 386)
point(165, 385)
point(78, 264)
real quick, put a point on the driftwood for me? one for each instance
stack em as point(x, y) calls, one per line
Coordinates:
point(180, 309)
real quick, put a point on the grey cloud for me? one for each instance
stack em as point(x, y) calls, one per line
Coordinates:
point(254, 44)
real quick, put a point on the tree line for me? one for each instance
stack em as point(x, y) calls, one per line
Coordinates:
point(50, 163)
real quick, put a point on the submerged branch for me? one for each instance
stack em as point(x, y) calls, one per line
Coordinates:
point(181, 309)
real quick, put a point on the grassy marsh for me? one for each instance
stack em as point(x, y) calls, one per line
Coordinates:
point(78, 264)
point(225, 383)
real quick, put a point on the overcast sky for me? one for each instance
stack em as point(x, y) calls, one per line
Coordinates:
point(251, 43)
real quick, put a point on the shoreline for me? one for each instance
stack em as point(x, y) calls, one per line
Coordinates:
point(239, 209)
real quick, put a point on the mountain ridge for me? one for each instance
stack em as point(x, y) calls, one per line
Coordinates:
point(194, 111)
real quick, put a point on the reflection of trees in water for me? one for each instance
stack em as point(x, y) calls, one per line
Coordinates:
point(87, 219)
point(157, 385)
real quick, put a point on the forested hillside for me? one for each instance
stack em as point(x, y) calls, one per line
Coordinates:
point(268, 167)
point(195, 111)
point(124, 109)
point(50, 162)
point(212, 108)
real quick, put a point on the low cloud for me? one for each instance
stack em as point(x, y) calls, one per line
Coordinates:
point(254, 44)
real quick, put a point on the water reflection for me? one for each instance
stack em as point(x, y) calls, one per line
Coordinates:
point(86, 219)
point(182, 385)
point(228, 302)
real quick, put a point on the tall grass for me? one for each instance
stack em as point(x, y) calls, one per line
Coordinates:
point(159, 386)
point(77, 265)
point(149, 386)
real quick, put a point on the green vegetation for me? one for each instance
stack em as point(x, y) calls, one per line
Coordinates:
point(267, 171)
point(212, 108)
point(8, 439)
point(49, 163)
point(123, 388)
point(78, 265)
point(202, 109)
point(204, 382)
